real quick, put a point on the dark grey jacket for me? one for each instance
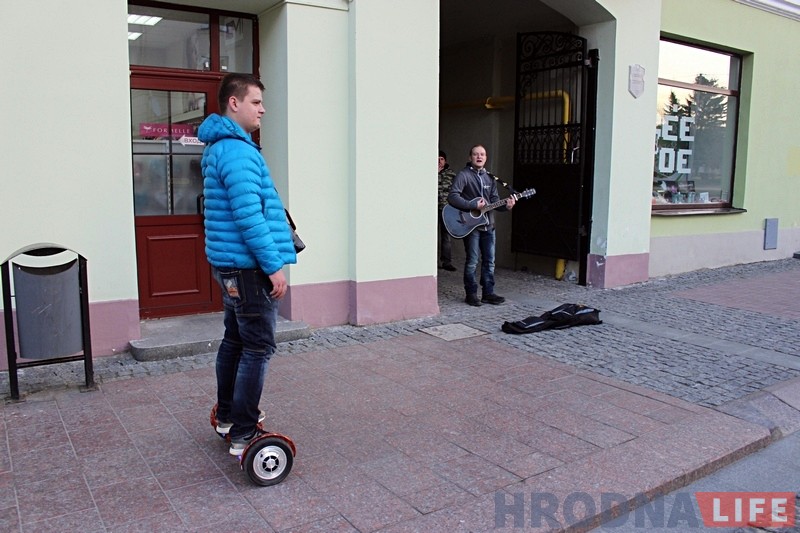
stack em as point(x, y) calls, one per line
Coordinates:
point(469, 186)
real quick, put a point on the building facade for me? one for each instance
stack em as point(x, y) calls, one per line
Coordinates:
point(681, 156)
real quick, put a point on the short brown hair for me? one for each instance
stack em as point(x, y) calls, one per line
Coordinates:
point(236, 85)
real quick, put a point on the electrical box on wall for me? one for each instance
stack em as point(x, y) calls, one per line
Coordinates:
point(770, 233)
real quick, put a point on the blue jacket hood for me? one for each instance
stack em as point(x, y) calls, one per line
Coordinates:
point(216, 127)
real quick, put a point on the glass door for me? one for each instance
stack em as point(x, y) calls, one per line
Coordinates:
point(166, 152)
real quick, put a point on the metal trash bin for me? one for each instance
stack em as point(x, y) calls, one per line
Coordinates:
point(51, 311)
point(48, 310)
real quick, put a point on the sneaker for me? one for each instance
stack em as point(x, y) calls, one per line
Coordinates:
point(492, 299)
point(472, 299)
point(449, 267)
point(238, 445)
point(223, 428)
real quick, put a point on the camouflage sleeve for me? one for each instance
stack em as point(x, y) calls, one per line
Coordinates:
point(445, 183)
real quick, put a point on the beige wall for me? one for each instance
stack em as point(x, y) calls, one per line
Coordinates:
point(66, 140)
point(768, 149)
point(66, 175)
point(351, 138)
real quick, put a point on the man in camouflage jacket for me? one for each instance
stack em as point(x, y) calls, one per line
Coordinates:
point(446, 175)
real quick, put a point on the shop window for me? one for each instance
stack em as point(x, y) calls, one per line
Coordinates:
point(182, 39)
point(696, 119)
point(235, 44)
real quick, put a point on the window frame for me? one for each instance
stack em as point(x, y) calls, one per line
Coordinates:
point(214, 73)
point(733, 114)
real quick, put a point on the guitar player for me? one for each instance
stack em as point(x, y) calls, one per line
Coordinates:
point(474, 188)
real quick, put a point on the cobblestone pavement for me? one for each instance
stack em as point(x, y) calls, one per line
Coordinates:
point(667, 334)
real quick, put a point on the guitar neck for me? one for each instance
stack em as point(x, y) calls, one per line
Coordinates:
point(498, 203)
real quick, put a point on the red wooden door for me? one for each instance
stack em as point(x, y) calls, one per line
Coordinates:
point(174, 276)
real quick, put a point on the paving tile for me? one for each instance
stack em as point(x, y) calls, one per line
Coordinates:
point(5, 452)
point(103, 438)
point(557, 443)
point(585, 385)
point(667, 413)
point(290, 504)
point(87, 520)
point(491, 445)
point(334, 524)
point(177, 402)
point(27, 414)
point(369, 506)
point(788, 392)
point(9, 520)
point(764, 294)
point(73, 399)
point(426, 445)
point(40, 464)
point(461, 402)
point(400, 473)
point(174, 469)
point(104, 468)
point(162, 523)
point(634, 402)
point(626, 420)
point(86, 417)
point(36, 436)
point(362, 446)
point(239, 522)
point(529, 465)
point(52, 498)
point(475, 474)
point(587, 429)
point(154, 442)
point(8, 495)
point(130, 500)
point(447, 421)
point(703, 444)
point(196, 422)
point(785, 417)
point(440, 495)
point(327, 471)
point(477, 516)
point(136, 396)
point(209, 503)
point(451, 332)
point(145, 417)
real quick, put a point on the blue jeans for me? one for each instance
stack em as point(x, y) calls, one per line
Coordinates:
point(479, 243)
point(246, 348)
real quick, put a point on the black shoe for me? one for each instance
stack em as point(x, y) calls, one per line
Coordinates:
point(449, 267)
point(472, 299)
point(492, 299)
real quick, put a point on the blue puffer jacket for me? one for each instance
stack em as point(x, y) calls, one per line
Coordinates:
point(244, 219)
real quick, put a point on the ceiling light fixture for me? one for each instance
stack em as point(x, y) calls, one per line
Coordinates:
point(143, 20)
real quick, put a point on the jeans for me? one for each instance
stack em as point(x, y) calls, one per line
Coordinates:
point(249, 342)
point(479, 243)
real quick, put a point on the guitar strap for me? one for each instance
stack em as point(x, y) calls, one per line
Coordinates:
point(506, 185)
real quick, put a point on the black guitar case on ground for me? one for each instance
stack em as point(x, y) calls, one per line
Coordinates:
point(563, 316)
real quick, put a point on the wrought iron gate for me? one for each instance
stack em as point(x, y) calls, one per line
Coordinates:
point(554, 145)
